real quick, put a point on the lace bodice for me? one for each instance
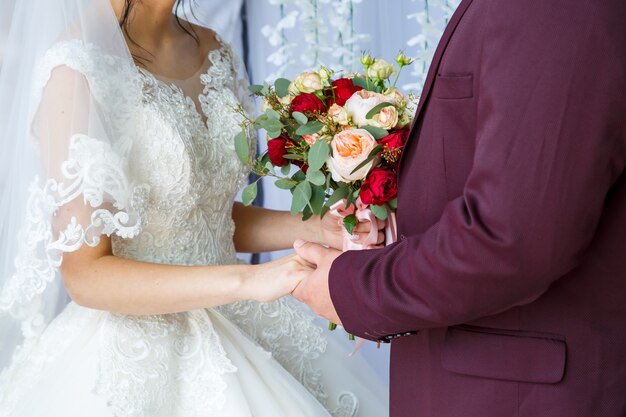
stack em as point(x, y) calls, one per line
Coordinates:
point(191, 168)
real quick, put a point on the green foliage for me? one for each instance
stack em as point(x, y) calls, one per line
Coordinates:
point(310, 128)
point(318, 155)
point(370, 157)
point(250, 193)
point(300, 118)
point(370, 115)
point(282, 87)
point(242, 147)
point(379, 211)
point(301, 197)
point(377, 132)
point(316, 177)
point(350, 223)
point(285, 184)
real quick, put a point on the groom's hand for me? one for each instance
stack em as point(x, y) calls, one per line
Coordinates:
point(314, 290)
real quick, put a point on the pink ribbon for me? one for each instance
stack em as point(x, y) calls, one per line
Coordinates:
point(364, 214)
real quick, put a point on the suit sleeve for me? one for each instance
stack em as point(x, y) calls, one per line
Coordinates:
point(550, 143)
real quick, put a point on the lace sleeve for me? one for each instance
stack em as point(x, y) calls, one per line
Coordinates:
point(83, 190)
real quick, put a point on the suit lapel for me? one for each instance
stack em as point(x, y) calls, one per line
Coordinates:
point(434, 66)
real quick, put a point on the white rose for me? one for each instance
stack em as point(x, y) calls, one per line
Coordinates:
point(387, 118)
point(350, 148)
point(361, 103)
point(381, 70)
point(338, 114)
point(308, 82)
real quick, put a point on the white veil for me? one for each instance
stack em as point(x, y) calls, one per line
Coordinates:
point(64, 140)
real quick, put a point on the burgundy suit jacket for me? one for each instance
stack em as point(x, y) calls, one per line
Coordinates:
point(511, 263)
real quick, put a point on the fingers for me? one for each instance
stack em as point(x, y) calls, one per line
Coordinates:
point(361, 237)
point(310, 252)
point(364, 227)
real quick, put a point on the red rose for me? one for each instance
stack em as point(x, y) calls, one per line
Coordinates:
point(276, 149)
point(380, 187)
point(307, 103)
point(395, 140)
point(344, 88)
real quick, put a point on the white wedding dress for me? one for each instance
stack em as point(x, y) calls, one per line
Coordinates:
point(241, 360)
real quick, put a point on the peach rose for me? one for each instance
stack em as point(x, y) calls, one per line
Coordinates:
point(361, 103)
point(338, 114)
point(349, 149)
point(387, 118)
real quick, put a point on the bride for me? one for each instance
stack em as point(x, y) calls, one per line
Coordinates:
point(118, 178)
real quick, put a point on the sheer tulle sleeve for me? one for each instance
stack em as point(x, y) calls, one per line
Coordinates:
point(80, 132)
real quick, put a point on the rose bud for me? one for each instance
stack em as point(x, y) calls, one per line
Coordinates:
point(403, 60)
point(366, 59)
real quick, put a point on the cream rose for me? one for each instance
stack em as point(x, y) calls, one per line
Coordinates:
point(381, 70)
point(386, 119)
point(308, 82)
point(396, 96)
point(361, 103)
point(349, 149)
point(338, 114)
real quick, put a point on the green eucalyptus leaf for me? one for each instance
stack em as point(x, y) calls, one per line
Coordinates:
point(360, 82)
point(316, 177)
point(299, 176)
point(285, 184)
point(282, 87)
point(350, 223)
point(393, 204)
point(285, 170)
point(300, 118)
point(317, 200)
point(249, 194)
point(272, 114)
point(255, 89)
point(301, 197)
point(339, 193)
point(307, 213)
point(318, 155)
point(242, 147)
point(379, 211)
point(370, 115)
point(310, 128)
point(377, 132)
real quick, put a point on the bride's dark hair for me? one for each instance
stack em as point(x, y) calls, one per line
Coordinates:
point(183, 24)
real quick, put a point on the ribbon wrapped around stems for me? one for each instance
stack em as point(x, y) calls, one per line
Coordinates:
point(363, 214)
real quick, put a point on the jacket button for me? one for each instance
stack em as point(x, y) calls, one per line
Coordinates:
point(402, 237)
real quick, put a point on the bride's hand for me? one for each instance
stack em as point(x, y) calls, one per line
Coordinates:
point(273, 280)
point(332, 231)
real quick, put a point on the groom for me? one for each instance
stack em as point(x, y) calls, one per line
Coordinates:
point(506, 292)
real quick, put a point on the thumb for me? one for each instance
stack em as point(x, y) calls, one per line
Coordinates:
point(310, 252)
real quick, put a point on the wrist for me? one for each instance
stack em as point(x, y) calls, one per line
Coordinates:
point(245, 277)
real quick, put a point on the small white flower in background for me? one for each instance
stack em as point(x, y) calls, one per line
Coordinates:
point(361, 103)
point(308, 82)
point(338, 114)
point(381, 70)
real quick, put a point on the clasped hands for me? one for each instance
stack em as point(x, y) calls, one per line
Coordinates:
point(314, 289)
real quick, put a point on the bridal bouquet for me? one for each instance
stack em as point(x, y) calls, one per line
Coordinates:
point(344, 134)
